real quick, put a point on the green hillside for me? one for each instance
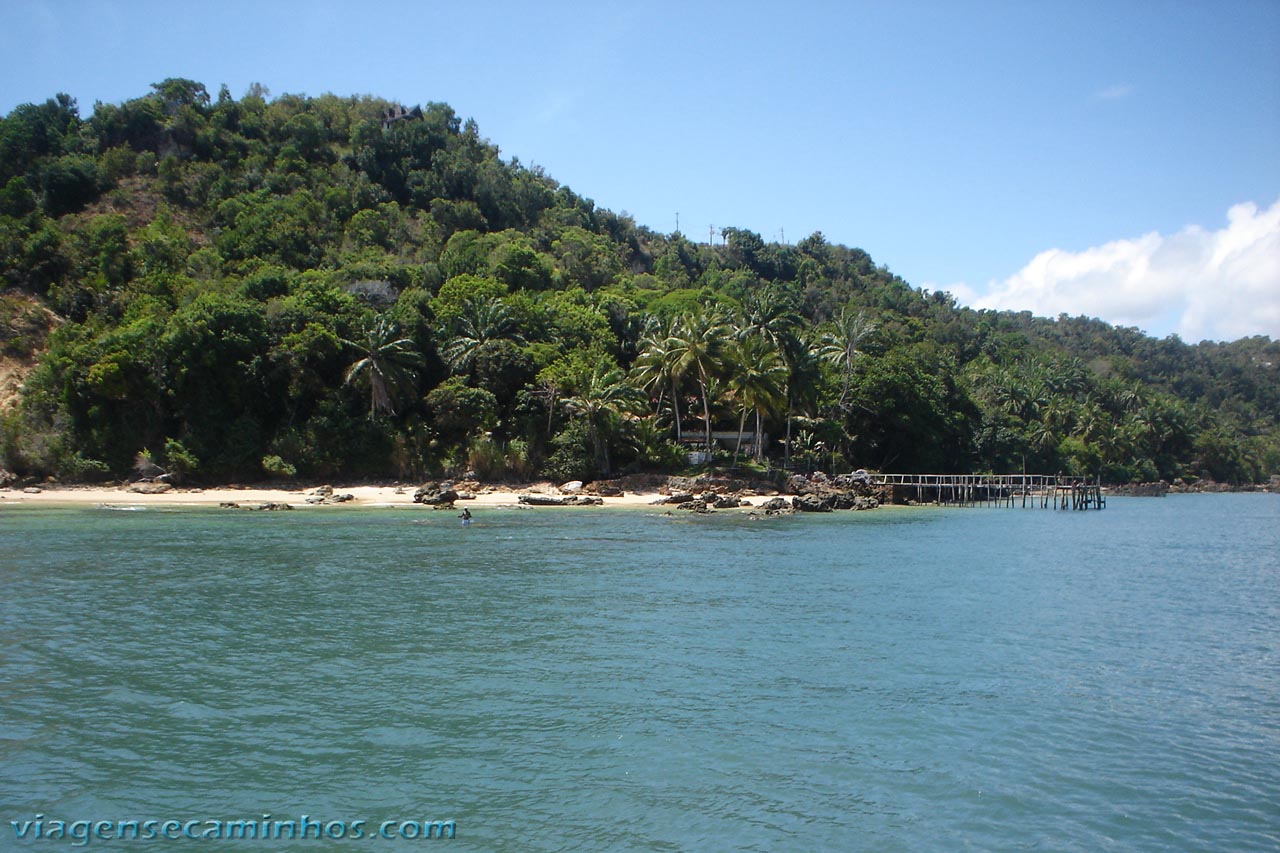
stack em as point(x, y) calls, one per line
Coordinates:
point(342, 287)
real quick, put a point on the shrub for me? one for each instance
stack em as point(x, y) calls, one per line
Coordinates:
point(277, 467)
point(486, 458)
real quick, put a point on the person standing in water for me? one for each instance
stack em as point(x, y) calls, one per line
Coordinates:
point(466, 515)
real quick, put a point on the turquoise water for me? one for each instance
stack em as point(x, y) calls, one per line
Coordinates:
point(904, 679)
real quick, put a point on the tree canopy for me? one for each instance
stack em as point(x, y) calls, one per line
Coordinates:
point(344, 286)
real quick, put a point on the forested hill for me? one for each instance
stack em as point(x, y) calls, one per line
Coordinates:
point(340, 286)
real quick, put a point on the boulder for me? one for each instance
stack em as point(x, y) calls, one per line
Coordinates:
point(436, 494)
point(571, 488)
point(32, 490)
point(541, 500)
point(695, 505)
point(811, 503)
point(321, 491)
point(776, 505)
point(728, 502)
point(605, 490)
point(798, 484)
point(842, 500)
point(677, 498)
point(152, 488)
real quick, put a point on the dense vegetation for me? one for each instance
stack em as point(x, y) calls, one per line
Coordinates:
point(328, 287)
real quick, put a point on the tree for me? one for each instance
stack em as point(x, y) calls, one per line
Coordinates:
point(599, 401)
point(482, 323)
point(654, 369)
point(841, 347)
point(388, 363)
point(697, 344)
point(757, 377)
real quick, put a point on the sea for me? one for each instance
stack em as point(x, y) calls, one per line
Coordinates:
point(631, 679)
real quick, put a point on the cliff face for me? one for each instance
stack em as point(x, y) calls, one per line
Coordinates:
point(25, 325)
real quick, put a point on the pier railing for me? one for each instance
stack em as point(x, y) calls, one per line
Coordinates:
point(1058, 491)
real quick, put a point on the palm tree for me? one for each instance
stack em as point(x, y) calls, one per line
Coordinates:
point(757, 377)
point(388, 363)
point(841, 346)
point(804, 374)
point(770, 318)
point(653, 369)
point(604, 395)
point(697, 342)
point(482, 322)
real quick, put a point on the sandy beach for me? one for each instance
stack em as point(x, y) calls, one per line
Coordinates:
point(363, 496)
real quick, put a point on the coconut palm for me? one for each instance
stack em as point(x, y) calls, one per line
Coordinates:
point(841, 347)
point(604, 396)
point(653, 369)
point(757, 379)
point(389, 362)
point(804, 375)
point(482, 322)
point(770, 318)
point(698, 342)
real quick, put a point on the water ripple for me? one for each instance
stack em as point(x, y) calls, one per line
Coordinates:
point(922, 679)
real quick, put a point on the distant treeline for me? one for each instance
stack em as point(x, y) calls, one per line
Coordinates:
point(341, 287)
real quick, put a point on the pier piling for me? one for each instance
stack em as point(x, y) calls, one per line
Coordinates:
point(1058, 491)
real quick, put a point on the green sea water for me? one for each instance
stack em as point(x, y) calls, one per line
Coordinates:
point(904, 679)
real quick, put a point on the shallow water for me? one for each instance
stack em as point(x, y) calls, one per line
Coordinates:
point(899, 679)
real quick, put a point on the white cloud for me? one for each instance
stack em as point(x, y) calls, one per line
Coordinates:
point(1112, 93)
point(1218, 285)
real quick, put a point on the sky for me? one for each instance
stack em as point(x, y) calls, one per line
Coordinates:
point(1113, 159)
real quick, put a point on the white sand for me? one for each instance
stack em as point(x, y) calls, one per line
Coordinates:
point(365, 496)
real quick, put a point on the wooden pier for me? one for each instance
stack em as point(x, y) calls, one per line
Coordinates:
point(1043, 491)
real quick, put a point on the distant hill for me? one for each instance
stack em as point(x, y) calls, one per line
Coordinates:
point(346, 286)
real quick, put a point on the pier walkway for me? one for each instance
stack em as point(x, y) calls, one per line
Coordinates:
point(1030, 490)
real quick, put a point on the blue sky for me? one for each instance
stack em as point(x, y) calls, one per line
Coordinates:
point(1114, 159)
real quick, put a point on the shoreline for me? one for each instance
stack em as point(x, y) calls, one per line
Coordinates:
point(365, 497)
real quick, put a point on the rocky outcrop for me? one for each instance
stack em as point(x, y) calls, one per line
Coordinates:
point(812, 503)
point(1193, 486)
point(1141, 490)
point(435, 494)
point(552, 500)
point(270, 506)
point(151, 488)
point(778, 506)
point(541, 500)
point(328, 498)
point(820, 493)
